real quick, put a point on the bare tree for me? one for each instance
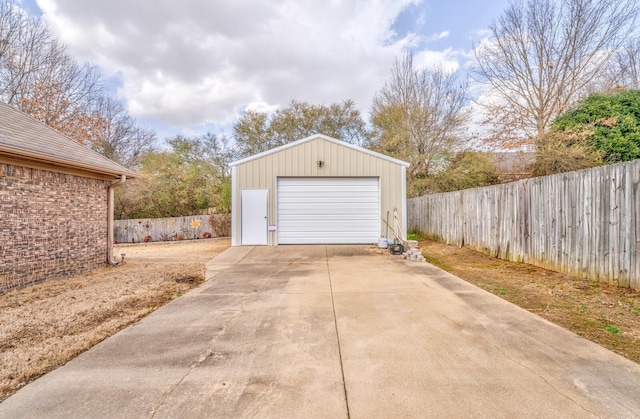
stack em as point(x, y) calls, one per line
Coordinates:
point(11, 25)
point(255, 132)
point(419, 116)
point(25, 44)
point(62, 95)
point(38, 77)
point(541, 56)
point(622, 71)
point(220, 151)
point(117, 136)
point(627, 65)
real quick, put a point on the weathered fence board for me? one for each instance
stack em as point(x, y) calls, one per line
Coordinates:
point(161, 229)
point(585, 223)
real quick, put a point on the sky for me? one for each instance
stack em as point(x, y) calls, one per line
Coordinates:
point(192, 66)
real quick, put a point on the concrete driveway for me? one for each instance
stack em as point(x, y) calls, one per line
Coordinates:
point(335, 332)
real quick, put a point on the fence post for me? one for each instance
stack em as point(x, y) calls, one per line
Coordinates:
point(582, 223)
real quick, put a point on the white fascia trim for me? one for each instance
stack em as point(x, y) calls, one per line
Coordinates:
point(234, 207)
point(324, 137)
point(404, 198)
point(276, 216)
point(380, 206)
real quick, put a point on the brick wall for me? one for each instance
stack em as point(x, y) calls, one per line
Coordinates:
point(52, 225)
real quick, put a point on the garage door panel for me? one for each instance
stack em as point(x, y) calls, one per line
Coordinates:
point(328, 203)
point(329, 215)
point(328, 210)
point(332, 233)
point(350, 196)
point(328, 225)
point(330, 188)
point(345, 196)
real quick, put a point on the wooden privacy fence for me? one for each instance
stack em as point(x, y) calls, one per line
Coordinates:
point(162, 229)
point(585, 223)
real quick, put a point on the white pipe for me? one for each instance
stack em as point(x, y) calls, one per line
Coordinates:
point(398, 226)
point(110, 209)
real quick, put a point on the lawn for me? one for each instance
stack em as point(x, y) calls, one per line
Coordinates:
point(46, 325)
point(604, 314)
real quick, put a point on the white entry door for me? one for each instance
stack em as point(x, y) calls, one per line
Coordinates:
point(254, 216)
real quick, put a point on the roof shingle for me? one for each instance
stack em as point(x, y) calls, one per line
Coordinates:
point(25, 136)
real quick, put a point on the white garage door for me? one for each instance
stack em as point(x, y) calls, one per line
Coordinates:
point(328, 210)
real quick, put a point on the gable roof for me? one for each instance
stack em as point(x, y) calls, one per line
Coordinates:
point(323, 137)
point(23, 136)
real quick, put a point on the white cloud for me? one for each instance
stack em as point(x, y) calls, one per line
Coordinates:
point(447, 59)
point(191, 63)
point(437, 36)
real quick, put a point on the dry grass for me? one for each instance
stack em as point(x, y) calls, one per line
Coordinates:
point(602, 313)
point(46, 325)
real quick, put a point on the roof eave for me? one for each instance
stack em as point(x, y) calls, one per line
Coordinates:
point(324, 137)
point(60, 161)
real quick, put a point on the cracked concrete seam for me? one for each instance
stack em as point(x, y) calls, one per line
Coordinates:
point(537, 374)
point(206, 354)
point(335, 323)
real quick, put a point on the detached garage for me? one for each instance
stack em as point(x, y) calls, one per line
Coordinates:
point(317, 190)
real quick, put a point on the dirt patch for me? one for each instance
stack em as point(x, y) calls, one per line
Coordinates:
point(604, 314)
point(46, 325)
point(198, 251)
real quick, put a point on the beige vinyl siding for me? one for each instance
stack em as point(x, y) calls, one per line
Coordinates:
point(301, 161)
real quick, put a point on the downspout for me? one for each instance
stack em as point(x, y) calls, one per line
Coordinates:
point(110, 209)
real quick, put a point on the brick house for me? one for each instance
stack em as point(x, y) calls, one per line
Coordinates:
point(56, 203)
